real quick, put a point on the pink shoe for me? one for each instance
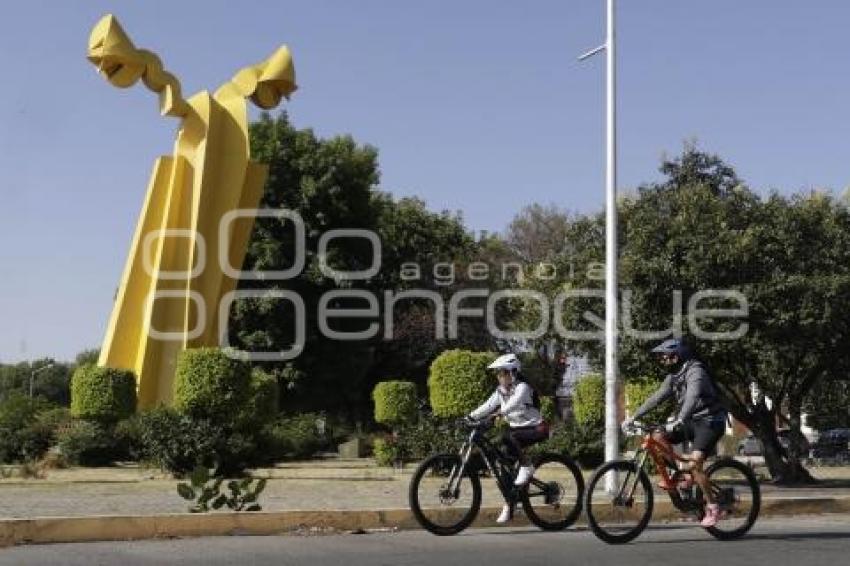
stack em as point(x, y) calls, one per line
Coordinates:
point(712, 515)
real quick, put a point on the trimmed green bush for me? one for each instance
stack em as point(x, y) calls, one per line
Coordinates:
point(102, 394)
point(395, 402)
point(210, 385)
point(459, 381)
point(589, 400)
point(385, 451)
point(88, 443)
point(638, 391)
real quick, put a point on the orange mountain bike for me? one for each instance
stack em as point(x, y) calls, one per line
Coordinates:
point(619, 516)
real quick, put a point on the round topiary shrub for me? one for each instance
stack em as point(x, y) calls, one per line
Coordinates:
point(210, 385)
point(385, 451)
point(395, 402)
point(102, 394)
point(459, 381)
point(589, 400)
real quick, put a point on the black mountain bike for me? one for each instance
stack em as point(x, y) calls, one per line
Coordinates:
point(620, 516)
point(445, 490)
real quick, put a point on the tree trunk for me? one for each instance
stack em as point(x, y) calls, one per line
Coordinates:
point(797, 443)
point(783, 468)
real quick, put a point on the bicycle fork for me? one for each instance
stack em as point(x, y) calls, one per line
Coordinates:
point(629, 485)
point(456, 474)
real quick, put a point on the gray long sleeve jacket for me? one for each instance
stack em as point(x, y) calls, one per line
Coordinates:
point(696, 396)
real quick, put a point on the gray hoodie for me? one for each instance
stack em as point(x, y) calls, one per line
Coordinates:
point(695, 393)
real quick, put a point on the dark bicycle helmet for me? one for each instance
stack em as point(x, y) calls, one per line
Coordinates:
point(673, 346)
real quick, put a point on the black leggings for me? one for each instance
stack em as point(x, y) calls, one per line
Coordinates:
point(516, 439)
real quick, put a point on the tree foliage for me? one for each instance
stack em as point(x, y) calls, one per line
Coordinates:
point(790, 258)
point(333, 184)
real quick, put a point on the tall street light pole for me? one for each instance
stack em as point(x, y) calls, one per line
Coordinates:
point(39, 370)
point(612, 425)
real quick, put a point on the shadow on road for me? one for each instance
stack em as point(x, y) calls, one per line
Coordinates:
point(799, 536)
point(789, 537)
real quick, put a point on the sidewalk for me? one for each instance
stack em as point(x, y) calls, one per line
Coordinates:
point(319, 496)
point(305, 486)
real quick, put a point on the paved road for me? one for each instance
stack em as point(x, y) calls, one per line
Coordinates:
point(806, 541)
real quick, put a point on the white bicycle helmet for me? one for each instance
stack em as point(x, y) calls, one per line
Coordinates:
point(506, 361)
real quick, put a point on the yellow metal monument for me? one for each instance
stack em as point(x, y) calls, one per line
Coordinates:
point(183, 257)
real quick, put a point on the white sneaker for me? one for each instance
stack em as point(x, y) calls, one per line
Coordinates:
point(524, 475)
point(505, 516)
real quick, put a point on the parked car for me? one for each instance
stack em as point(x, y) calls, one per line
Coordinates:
point(833, 443)
point(751, 446)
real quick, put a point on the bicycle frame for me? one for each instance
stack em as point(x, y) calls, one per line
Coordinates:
point(663, 456)
point(496, 461)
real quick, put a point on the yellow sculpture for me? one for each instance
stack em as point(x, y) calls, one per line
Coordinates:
point(173, 281)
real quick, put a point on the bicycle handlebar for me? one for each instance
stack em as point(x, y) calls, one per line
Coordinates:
point(482, 425)
point(641, 428)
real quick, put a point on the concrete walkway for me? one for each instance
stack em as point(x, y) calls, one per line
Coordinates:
point(312, 485)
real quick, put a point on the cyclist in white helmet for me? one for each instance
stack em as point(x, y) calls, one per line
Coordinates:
point(514, 401)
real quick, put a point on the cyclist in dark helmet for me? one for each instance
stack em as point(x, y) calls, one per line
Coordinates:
point(700, 416)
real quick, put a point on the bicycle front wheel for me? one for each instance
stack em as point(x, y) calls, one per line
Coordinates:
point(443, 501)
point(619, 517)
point(736, 490)
point(552, 499)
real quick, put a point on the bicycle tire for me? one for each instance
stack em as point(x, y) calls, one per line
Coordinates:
point(594, 500)
point(419, 514)
point(755, 491)
point(571, 514)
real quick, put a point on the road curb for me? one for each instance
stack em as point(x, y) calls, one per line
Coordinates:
point(103, 528)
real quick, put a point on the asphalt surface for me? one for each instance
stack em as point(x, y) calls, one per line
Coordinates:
point(802, 541)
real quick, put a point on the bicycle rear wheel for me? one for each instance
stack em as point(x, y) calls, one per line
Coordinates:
point(736, 490)
point(552, 499)
point(619, 517)
point(442, 502)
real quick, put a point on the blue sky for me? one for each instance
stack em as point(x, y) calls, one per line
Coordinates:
point(478, 106)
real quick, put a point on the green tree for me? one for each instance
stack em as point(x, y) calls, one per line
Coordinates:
point(333, 184)
point(790, 259)
point(828, 406)
point(538, 233)
point(52, 383)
